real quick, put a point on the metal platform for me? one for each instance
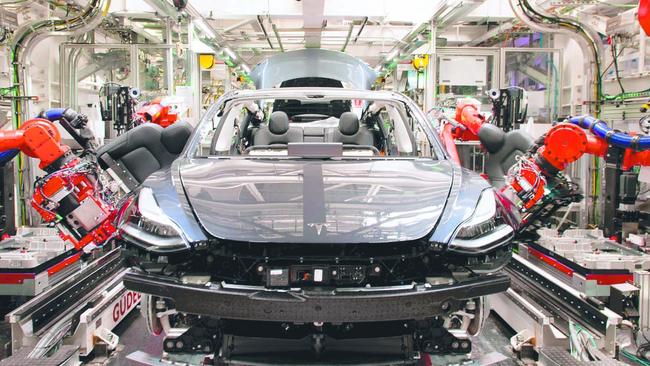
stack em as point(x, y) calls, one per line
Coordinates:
point(35, 259)
point(80, 311)
point(537, 301)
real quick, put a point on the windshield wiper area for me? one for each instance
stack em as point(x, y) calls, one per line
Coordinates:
point(311, 150)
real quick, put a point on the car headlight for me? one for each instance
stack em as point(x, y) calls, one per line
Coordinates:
point(149, 227)
point(484, 230)
point(152, 219)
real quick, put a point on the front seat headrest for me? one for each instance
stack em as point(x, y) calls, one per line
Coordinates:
point(175, 136)
point(491, 137)
point(279, 123)
point(349, 123)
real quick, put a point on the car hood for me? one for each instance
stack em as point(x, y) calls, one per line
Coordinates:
point(307, 201)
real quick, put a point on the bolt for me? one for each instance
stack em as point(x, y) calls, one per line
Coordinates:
point(445, 305)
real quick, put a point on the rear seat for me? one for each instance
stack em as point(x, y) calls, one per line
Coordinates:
point(349, 132)
point(277, 131)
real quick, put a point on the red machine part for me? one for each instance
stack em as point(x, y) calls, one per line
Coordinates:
point(468, 115)
point(158, 112)
point(448, 136)
point(470, 121)
point(566, 143)
point(37, 138)
point(79, 189)
point(644, 15)
point(68, 195)
point(528, 182)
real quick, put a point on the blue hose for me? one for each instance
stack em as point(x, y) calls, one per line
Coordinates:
point(54, 114)
point(618, 139)
point(7, 155)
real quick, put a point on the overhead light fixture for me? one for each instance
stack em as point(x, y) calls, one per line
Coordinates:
point(450, 6)
point(446, 12)
point(394, 53)
point(246, 68)
point(229, 52)
point(205, 29)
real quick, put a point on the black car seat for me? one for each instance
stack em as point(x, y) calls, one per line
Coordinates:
point(503, 149)
point(134, 155)
point(349, 132)
point(277, 131)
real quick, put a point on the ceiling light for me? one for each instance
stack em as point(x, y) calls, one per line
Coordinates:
point(200, 23)
point(229, 52)
point(451, 5)
point(445, 13)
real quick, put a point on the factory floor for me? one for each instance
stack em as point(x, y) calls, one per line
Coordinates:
point(491, 347)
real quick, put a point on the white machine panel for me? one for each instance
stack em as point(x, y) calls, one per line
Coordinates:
point(463, 70)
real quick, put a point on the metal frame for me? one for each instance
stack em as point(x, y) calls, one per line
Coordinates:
point(502, 66)
point(67, 81)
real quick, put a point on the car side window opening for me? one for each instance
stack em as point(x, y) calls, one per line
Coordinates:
point(266, 127)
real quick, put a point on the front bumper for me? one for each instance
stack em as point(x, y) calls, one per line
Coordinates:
point(224, 301)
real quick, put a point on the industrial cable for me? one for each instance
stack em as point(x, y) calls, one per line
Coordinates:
point(634, 358)
point(615, 60)
point(612, 62)
point(541, 18)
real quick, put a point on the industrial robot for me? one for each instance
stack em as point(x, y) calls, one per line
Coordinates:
point(72, 196)
point(536, 178)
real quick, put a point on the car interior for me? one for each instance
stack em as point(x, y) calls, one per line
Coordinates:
point(266, 128)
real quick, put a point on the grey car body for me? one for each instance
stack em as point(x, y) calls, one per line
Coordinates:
point(247, 230)
point(424, 197)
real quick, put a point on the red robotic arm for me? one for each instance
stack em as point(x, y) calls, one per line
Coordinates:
point(161, 111)
point(69, 195)
point(644, 15)
point(563, 144)
point(37, 138)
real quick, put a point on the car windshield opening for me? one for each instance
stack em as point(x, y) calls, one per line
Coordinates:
point(265, 128)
